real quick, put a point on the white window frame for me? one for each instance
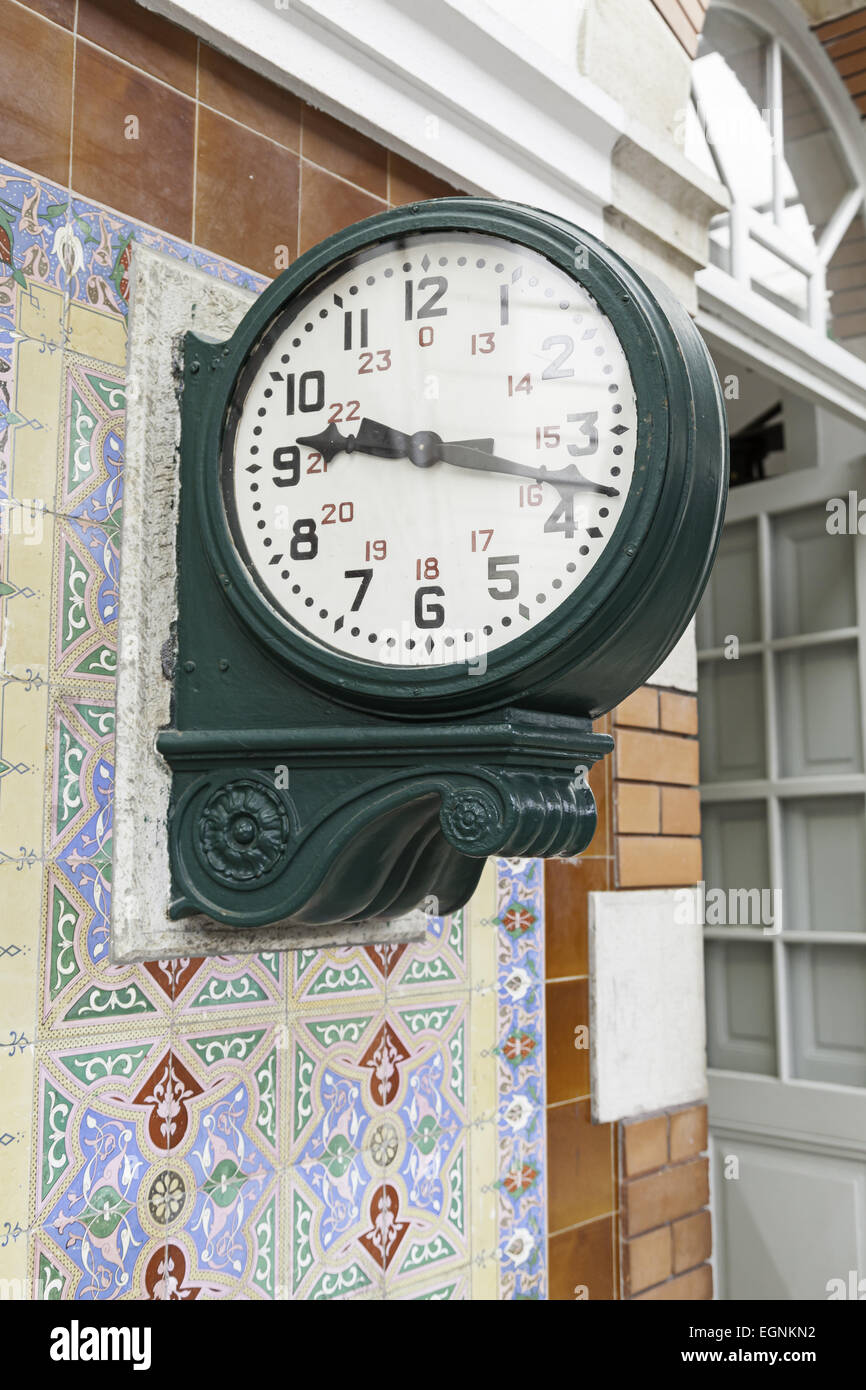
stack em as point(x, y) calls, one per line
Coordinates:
point(732, 315)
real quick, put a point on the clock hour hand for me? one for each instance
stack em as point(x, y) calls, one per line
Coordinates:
point(565, 480)
point(423, 448)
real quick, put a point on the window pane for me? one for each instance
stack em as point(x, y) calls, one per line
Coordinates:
point(846, 280)
point(824, 844)
point(819, 709)
point(813, 575)
point(735, 842)
point(729, 606)
point(741, 1013)
point(729, 86)
point(817, 168)
point(731, 720)
point(828, 1013)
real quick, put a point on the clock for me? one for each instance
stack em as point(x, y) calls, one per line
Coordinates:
point(452, 489)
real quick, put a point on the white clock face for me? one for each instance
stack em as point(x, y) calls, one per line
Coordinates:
point(430, 455)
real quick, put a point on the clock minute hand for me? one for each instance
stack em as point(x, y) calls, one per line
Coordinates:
point(569, 478)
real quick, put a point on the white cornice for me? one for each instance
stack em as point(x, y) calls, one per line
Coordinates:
point(778, 344)
point(450, 84)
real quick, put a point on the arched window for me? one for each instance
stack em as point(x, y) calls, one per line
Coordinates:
point(795, 231)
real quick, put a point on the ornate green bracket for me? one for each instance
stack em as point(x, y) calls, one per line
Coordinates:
point(322, 830)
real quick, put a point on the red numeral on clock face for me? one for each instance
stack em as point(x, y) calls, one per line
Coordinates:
point(332, 512)
point(376, 550)
point(523, 384)
point(427, 569)
point(488, 537)
point(352, 409)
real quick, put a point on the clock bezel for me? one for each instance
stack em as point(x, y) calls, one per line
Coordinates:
point(671, 392)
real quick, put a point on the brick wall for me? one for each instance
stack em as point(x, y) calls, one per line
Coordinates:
point(655, 1206)
point(582, 1162)
point(664, 1191)
point(658, 819)
point(129, 110)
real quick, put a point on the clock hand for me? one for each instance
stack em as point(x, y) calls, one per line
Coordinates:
point(422, 448)
point(569, 478)
point(425, 448)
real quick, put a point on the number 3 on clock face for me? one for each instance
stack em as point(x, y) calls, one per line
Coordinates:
point(429, 450)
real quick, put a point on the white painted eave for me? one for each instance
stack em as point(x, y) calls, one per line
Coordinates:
point(779, 345)
point(450, 84)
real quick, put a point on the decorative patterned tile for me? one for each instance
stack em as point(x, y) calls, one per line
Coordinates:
point(356, 1123)
point(522, 1201)
point(438, 962)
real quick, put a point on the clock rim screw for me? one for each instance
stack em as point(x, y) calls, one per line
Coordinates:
point(189, 667)
point(223, 664)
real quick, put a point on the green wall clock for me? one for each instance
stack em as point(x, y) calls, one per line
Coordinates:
point(452, 489)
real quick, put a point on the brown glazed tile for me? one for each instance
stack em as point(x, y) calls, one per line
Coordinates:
point(328, 205)
point(58, 11)
point(658, 861)
point(637, 808)
point(246, 195)
point(645, 1145)
point(647, 1260)
point(566, 885)
point(681, 811)
point(641, 708)
point(581, 1263)
point(567, 1033)
point(693, 1287)
point(151, 177)
point(662, 1197)
point(693, 1241)
point(580, 1167)
point(599, 781)
point(688, 1133)
point(140, 37)
point(651, 757)
point(341, 150)
point(35, 92)
point(409, 183)
point(679, 713)
point(239, 92)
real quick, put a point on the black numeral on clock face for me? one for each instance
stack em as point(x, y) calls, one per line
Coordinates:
point(587, 420)
point(554, 371)
point(310, 392)
point(348, 329)
point(497, 569)
point(365, 577)
point(427, 613)
point(288, 460)
point(561, 519)
point(429, 309)
point(305, 542)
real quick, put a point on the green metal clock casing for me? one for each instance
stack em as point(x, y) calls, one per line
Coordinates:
point(452, 489)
